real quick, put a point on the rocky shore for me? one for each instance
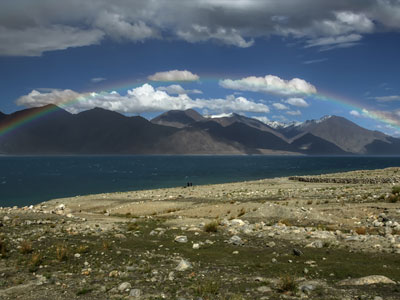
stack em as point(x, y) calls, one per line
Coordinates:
point(331, 236)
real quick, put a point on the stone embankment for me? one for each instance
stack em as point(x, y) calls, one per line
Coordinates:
point(377, 180)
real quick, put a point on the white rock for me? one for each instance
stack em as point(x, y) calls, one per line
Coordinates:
point(237, 222)
point(181, 239)
point(135, 293)
point(264, 289)
point(196, 246)
point(235, 240)
point(124, 286)
point(183, 265)
point(372, 279)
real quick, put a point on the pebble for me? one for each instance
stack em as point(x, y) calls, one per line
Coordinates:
point(181, 239)
point(297, 252)
point(264, 289)
point(271, 244)
point(124, 286)
point(235, 240)
point(136, 293)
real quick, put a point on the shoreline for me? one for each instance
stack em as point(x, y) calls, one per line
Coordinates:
point(279, 237)
point(255, 189)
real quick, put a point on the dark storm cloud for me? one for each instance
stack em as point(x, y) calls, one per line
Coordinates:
point(32, 27)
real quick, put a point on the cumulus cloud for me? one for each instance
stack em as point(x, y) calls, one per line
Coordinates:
point(355, 113)
point(270, 84)
point(174, 75)
point(299, 102)
point(315, 23)
point(280, 106)
point(138, 100)
point(177, 89)
point(263, 119)
point(388, 98)
point(48, 96)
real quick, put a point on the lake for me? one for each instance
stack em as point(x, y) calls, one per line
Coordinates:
point(32, 179)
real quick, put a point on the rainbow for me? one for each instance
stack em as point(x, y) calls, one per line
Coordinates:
point(27, 117)
point(350, 104)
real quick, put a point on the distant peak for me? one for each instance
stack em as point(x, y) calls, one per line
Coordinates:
point(324, 118)
point(277, 124)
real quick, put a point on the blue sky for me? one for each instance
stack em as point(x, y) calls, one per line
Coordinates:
point(214, 56)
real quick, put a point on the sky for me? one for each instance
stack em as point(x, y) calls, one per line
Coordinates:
point(286, 61)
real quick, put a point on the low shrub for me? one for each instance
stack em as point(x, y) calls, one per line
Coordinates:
point(287, 283)
point(396, 189)
point(211, 227)
point(83, 249)
point(61, 252)
point(393, 198)
point(25, 247)
point(3, 248)
point(36, 259)
point(361, 230)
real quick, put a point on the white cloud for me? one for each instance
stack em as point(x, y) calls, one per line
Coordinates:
point(263, 119)
point(299, 102)
point(270, 84)
point(314, 61)
point(138, 100)
point(331, 42)
point(355, 113)
point(97, 79)
point(326, 24)
point(356, 22)
point(294, 112)
point(281, 118)
point(223, 115)
point(174, 75)
point(388, 98)
point(36, 40)
point(280, 106)
point(117, 27)
point(177, 89)
point(198, 33)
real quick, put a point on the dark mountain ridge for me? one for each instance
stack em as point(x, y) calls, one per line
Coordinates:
point(178, 118)
point(52, 130)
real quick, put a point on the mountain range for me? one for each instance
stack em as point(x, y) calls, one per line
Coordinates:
point(99, 131)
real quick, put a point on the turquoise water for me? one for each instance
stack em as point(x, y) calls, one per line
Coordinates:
point(30, 180)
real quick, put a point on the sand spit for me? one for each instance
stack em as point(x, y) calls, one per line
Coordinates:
point(333, 236)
